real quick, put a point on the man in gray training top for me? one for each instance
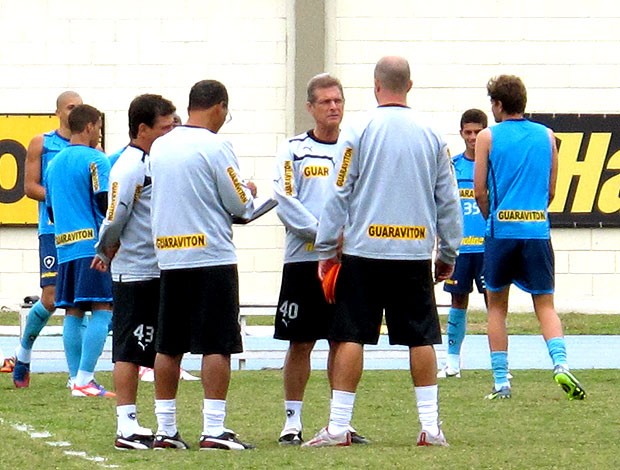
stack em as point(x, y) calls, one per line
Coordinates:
point(394, 194)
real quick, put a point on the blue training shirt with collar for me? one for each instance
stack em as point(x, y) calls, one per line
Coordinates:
point(74, 178)
point(474, 224)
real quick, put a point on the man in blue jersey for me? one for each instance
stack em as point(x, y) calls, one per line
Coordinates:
point(306, 167)
point(76, 199)
point(393, 197)
point(126, 240)
point(41, 150)
point(514, 183)
point(468, 268)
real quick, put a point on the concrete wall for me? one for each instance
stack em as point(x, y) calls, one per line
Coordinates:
point(565, 51)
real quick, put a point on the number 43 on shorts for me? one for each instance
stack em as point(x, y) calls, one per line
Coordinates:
point(145, 335)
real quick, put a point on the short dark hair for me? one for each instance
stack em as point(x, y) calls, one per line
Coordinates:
point(510, 91)
point(145, 109)
point(207, 93)
point(322, 80)
point(474, 116)
point(81, 116)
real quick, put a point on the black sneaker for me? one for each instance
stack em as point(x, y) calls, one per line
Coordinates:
point(166, 442)
point(134, 442)
point(290, 437)
point(226, 441)
point(358, 438)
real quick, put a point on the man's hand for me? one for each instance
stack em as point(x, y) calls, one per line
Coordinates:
point(251, 186)
point(99, 264)
point(443, 270)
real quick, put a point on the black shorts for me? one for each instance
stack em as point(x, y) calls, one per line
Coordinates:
point(403, 288)
point(199, 311)
point(302, 314)
point(134, 321)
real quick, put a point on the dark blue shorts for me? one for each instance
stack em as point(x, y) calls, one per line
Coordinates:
point(48, 263)
point(468, 269)
point(529, 264)
point(78, 286)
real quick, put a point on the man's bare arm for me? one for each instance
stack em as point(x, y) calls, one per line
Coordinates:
point(32, 180)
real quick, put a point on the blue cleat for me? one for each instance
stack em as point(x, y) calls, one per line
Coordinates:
point(21, 374)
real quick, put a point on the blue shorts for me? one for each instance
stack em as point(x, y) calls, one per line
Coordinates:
point(468, 269)
point(48, 263)
point(528, 263)
point(78, 286)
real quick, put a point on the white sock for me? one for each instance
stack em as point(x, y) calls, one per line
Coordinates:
point(428, 408)
point(23, 355)
point(341, 411)
point(84, 378)
point(166, 414)
point(126, 419)
point(213, 412)
point(293, 415)
point(454, 361)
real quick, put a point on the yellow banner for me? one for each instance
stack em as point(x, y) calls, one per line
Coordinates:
point(16, 131)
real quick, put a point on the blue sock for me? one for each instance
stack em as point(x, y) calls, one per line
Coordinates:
point(94, 339)
point(457, 323)
point(499, 363)
point(37, 319)
point(72, 341)
point(557, 351)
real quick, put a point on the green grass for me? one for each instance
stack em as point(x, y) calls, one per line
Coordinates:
point(518, 323)
point(538, 428)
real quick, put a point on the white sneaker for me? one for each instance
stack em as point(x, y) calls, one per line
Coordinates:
point(447, 372)
point(325, 439)
point(426, 439)
point(187, 376)
point(146, 374)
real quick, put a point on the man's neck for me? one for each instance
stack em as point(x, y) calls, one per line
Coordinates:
point(64, 132)
point(326, 134)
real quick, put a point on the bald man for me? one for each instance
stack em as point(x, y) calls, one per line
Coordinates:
point(394, 195)
point(41, 150)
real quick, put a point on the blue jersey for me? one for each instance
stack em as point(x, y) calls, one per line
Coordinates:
point(116, 155)
point(474, 224)
point(518, 180)
point(74, 178)
point(53, 143)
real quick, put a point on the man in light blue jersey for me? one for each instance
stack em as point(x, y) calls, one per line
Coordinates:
point(76, 199)
point(305, 171)
point(41, 150)
point(514, 183)
point(394, 195)
point(468, 268)
point(126, 241)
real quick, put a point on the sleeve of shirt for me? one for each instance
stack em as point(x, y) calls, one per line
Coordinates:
point(126, 181)
point(334, 214)
point(290, 209)
point(237, 198)
point(449, 217)
point(99, 173)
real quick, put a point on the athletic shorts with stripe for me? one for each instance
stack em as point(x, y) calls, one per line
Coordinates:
point(403, 288)
point(199, 311)
point(302, 314)
point(134, 322)
point(48, 260)
point(469, 268)
point(79, 286)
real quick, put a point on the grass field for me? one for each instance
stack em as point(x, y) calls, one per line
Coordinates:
point(537, 429)
point(518, 323)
